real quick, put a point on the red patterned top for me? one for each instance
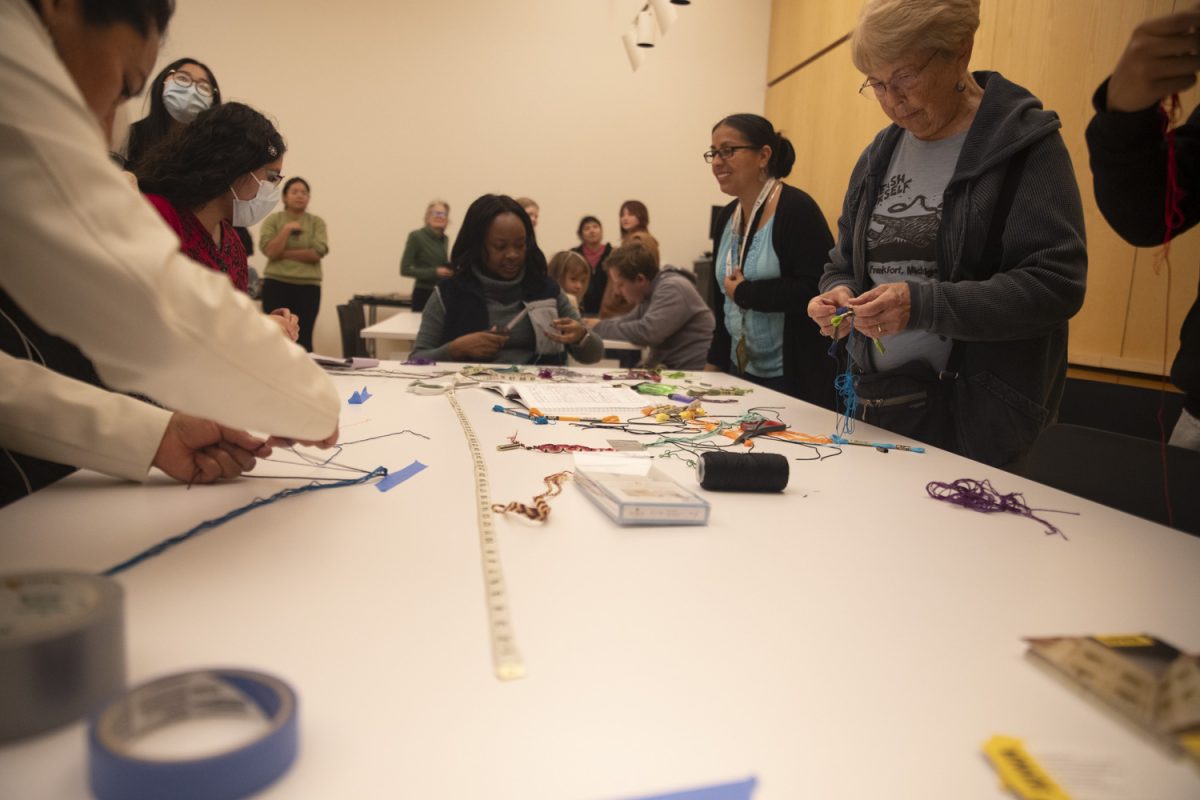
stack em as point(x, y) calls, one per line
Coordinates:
point(196, 243)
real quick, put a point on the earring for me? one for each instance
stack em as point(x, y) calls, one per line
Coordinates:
point(960, 87)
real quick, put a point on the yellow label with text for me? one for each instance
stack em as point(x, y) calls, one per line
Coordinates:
point(1019, 772)
point(1126, 640)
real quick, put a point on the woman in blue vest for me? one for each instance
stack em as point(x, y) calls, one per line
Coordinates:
point(500, 306)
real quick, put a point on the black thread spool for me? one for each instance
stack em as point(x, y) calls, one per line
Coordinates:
point(743, 472)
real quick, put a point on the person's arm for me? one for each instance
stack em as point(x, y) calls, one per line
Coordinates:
point(410, 265)
point(429, 342)
point(590, 348)
point(50, 416)
point(94, 264)
point(272, 236)
point(308, 255)
point(668, 310)
point(1040, 283)
point(718, 350)
point(803, 246)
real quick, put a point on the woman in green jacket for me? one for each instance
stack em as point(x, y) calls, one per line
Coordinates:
point(294, 242)
point(426, 253)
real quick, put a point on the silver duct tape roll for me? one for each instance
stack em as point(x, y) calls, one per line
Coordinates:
point(62, 649)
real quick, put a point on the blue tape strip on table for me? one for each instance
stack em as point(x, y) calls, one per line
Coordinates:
point(358, 398)
point(741, 790)
point(116, 773)
point(399, 476)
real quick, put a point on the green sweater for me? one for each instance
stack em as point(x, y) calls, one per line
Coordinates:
point(311, 237)
point(425, 251)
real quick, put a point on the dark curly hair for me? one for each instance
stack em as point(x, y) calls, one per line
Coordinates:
point(470, 248)
point(154, 127)
point(204, 160)
point(585, 221)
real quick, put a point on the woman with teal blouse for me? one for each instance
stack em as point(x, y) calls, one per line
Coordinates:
point(294, 242)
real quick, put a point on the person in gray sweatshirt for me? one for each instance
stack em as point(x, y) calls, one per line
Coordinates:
point(669, 316)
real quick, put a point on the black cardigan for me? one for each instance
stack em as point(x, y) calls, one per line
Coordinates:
point(802, 242)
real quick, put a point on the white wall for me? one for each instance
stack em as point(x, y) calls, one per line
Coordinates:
point(386, 104)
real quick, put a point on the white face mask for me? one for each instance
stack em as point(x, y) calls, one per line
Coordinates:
point(184, 103)
point(252, 211)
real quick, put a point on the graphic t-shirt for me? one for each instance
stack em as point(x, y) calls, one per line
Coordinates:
point(902, 237)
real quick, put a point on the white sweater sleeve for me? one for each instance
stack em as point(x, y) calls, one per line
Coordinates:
point(87, 258)
point(51, 416)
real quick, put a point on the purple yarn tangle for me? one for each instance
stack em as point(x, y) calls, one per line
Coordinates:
point(982, 496)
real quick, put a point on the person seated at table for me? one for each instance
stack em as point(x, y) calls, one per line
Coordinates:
point(426, 258)
point(669, 315)
point(572, 273)
point(221, 169)
point(595, 250)
point(973, 166)
point(501, 306)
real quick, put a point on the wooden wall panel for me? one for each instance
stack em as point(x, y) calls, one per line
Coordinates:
point(1060, 50)
point(829, 123)
point(802, 28)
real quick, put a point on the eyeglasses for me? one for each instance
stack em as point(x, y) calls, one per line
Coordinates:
point(273, 176)
point(726, 152)
point(183, 79)
point(899, 84)
point(437, 214)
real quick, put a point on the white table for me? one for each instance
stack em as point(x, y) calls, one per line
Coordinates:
point(849, 638)
point(404, 325)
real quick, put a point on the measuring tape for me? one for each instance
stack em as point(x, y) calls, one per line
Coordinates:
point(506, 659)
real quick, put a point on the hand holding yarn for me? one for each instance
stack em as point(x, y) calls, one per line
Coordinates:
point(883, 310)
point(823, 308)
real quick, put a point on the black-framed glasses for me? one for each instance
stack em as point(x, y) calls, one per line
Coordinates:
point(273, 176)
point(183, 79)
point(899, 84)
point(725, 152)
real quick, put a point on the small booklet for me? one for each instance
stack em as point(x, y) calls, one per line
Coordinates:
point(1146, 679)
point(571, 399)
point(332, 362)
point(633, 492)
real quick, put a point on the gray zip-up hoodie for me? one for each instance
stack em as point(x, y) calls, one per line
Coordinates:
point(673, 320)
point(1006, 310)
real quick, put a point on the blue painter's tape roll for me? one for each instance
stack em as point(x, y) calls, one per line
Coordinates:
point(115, 772)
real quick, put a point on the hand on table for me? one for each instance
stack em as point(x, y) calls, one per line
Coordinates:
point(198, 450)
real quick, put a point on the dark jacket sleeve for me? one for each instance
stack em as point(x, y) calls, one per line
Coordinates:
point(1041, 281)
point(802, 242)
point(718, 351)
point(1128, 156)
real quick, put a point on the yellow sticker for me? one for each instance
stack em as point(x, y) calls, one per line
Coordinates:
point(1126, 640)
point(1019, 773)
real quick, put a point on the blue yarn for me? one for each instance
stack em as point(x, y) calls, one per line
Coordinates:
point(258, 502)
point(843, 384)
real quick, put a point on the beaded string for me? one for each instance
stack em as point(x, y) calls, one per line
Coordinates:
point(514, 444)
point(540, 511)
point(982, 496)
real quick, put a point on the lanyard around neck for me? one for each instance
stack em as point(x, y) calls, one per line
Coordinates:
point(759, 204)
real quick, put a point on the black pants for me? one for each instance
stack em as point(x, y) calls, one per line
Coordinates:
point(420, 296)
point(303, 300)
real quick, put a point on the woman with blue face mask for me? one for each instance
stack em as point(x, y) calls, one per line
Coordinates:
point(178, 94)
point(220, 171)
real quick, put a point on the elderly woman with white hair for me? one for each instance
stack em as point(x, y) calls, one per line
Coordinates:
point(426, 256)
point(960, 244)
